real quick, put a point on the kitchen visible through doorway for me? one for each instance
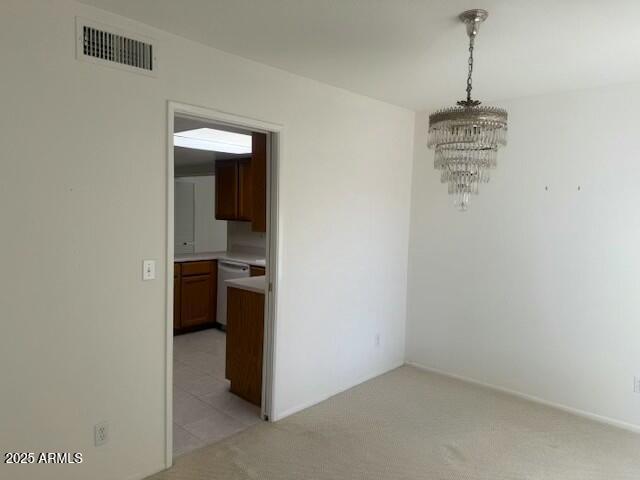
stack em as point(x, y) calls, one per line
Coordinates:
point(220, 260)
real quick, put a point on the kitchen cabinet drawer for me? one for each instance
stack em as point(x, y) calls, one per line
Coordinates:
point(197, 268)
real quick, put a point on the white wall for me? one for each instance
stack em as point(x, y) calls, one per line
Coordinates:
point(531, 290)
point(82, 202)
point(210, 235)
point(242, 239)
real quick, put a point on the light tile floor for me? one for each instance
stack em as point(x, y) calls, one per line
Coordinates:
point(204, 411)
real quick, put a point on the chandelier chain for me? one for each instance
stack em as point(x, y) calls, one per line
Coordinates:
point(469, 80)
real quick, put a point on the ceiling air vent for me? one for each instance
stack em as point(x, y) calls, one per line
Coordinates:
point(109, 46)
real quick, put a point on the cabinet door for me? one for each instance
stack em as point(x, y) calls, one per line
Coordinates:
point(214, 290)
point(245, 190)
point(176, 296)
point(226, 189)
point(195, 300)
point(259, 182)
point(245, 335)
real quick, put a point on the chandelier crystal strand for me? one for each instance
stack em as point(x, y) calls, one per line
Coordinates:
point(466, 137)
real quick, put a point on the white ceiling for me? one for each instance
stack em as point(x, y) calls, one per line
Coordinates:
point(413, 52)
point(186, 158)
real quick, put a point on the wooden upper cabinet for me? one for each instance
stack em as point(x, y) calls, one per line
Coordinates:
point(226, 190)
point(245, 190)
point(241, 186)
point(259, 182)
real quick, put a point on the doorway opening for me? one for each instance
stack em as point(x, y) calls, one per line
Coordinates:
point(221, 275)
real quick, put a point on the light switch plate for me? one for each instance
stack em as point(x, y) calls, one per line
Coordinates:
point(148, 270)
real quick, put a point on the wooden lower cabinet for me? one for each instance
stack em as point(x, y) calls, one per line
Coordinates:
point(245, 336)
point(195, 301)
point(195, 290)
point(176, 298)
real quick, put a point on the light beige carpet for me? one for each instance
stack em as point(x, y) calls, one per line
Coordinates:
point(409, 424)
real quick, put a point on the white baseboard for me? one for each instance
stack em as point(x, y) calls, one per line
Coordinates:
point(303, 406)
point(575, 411)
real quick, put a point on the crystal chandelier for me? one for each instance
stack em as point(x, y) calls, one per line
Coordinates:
point(466, 138)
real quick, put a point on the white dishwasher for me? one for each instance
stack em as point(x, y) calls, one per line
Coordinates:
point(227, 270)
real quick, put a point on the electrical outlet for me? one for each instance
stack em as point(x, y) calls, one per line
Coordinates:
point(636, 384)
point(377, 340)
point(101, 434)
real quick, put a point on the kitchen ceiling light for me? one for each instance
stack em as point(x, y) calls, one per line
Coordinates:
point(213, 140)
point(466, 138)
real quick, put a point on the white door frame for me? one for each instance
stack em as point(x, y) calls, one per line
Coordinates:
point(274, 151)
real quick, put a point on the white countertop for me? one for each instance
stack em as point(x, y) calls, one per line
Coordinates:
point(238, 257)
point(253, 284)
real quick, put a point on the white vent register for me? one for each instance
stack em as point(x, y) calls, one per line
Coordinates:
point(112, 47)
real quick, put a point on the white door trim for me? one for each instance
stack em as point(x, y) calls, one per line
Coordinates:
point(274, 153)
